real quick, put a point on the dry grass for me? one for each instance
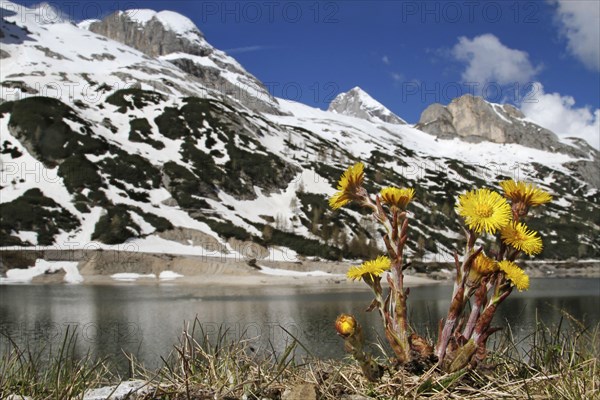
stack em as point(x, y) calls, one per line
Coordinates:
point(561, 363)
point(45, 374)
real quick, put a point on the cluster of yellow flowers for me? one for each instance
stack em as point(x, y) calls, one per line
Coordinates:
point(488, 211)
point(482, 280)
point(350, 188)
point(483, 210)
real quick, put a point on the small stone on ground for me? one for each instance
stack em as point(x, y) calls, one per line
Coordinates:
point(119, 392)
point(303, 391)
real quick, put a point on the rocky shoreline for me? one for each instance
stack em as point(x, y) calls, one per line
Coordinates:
point(106, 267)
point(98, 267)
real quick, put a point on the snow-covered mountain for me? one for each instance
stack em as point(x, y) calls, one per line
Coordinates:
point(105, 143)
point(358, 103)
point(173, 37)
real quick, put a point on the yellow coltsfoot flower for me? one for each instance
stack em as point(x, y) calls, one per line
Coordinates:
point(345, 325)
point(518, 236)
point(484, 210)
point(370, 269)
point(348, 186)
point(481, 266)
point(514, 274)
point(526, 193)
point(397, 197)
point(484, 265)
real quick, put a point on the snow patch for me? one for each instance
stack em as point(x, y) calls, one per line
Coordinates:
point(131, 276)
point(85, 24)
point(287, 272)
point(41, 267)
point(171, 20)
point(28, 236)
point(169, 275)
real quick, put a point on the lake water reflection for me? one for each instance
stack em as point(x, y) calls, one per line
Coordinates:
point(147, 320)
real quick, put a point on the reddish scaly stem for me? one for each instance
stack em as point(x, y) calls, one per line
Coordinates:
point(394, 308)
point(395, 226)
point(396, 328)
point(400, 293)
point(458, 297)
point(453, 314)
point(389, 247)
point(480, 298)
point(479, 334)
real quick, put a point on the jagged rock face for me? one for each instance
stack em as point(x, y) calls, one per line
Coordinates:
point(587, 170)
point(358, 103)
point(154, 39)
point(187, 49)
point(246, 90)
point(436, 119)
point(474, 119)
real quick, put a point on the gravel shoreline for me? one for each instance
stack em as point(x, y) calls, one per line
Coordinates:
point(98, 266)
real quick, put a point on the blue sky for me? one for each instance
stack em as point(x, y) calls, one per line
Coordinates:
point(409, 54)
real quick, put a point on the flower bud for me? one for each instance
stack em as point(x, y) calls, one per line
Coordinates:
point(345, 325)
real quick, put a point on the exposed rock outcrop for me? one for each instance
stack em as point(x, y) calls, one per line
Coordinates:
point(145, 30)
point(588, 171)
point(474, 119)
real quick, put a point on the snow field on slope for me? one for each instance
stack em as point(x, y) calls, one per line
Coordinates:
point(501, 157)
point(274, 204)
point(34, 175)
point(84, 52)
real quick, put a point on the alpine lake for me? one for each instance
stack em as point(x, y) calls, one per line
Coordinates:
point(146, 321)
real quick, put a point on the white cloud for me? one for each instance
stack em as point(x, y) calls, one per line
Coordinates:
point(559, 114)
point(386, 60)
point(50, 13)
point(488, 60)
point(397, 77)
point(246, 49)
point(579, 22)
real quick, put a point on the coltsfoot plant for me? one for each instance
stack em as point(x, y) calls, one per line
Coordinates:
point(486, 272)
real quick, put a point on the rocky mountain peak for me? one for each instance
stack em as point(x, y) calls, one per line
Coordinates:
point(175, 38)
point(172, 21)
point(358, 103)
point(154, 33)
